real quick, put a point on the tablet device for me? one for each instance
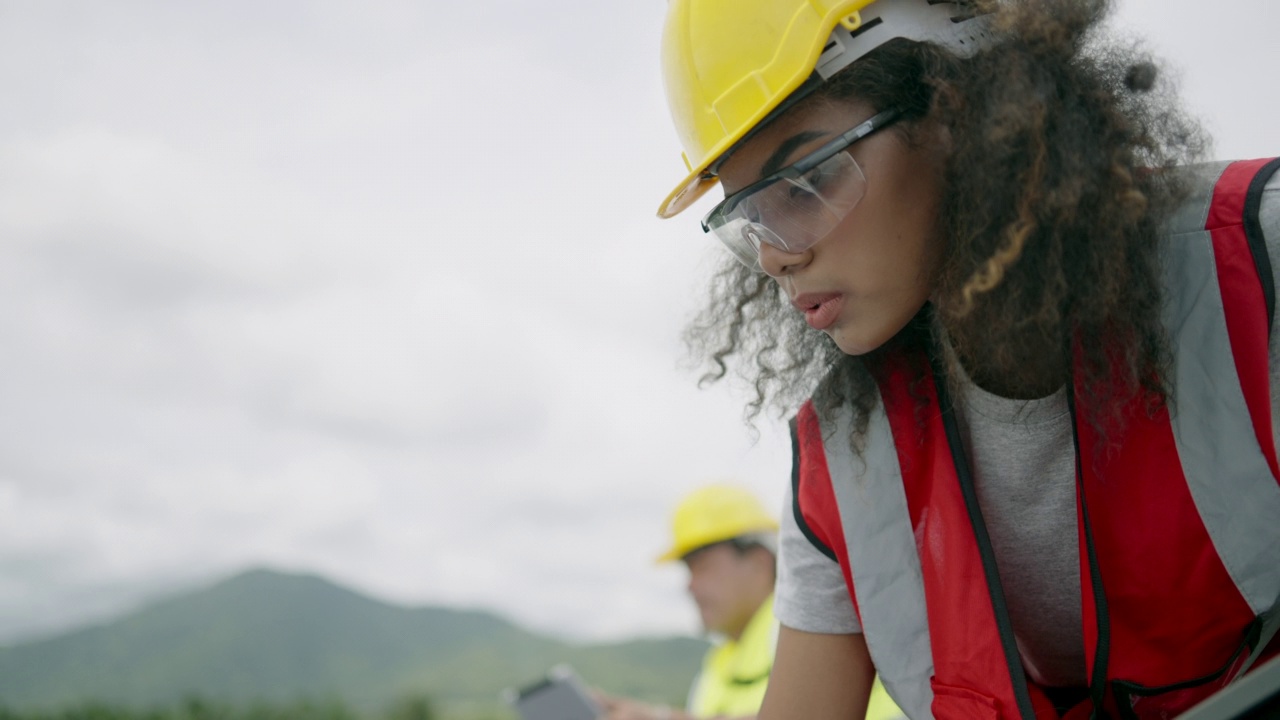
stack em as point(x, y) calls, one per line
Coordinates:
point(561, 696)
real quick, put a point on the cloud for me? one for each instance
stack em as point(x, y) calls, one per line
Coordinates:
point(373, 291)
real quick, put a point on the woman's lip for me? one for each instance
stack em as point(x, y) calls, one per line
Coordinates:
point(820, 311)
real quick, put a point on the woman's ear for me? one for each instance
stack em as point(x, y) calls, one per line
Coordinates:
point(933, 136)
point(928, 135)
point(943, 139)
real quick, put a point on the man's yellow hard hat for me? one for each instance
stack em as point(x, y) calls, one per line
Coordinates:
point(713, 514)
point(728, 64)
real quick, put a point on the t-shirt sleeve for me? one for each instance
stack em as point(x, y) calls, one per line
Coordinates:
point(811, 594)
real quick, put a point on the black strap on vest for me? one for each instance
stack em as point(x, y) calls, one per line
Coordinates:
point(1102, 650)
point(1257, 242)
point(795, 495)
point(1004, 624)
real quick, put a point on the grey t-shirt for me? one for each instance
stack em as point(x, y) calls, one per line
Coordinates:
point(1032, 524)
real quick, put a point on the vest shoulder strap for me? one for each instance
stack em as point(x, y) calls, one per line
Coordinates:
point(1230, 193)
point(1257, 240)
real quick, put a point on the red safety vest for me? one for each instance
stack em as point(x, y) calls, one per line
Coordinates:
point(1179, 528)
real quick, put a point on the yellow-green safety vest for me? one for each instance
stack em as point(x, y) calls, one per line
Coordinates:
point(734, 674)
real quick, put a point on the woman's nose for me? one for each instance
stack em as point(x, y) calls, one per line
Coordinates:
point(780, 263)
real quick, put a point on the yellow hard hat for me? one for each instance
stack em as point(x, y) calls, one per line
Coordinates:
point(728, 64)
point(714, 514)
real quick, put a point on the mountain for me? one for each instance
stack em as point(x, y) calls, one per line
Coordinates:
point(270, 636)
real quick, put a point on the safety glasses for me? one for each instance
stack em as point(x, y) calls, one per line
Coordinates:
point(795, 207)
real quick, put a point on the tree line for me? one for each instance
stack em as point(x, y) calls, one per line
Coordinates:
point(200, 708)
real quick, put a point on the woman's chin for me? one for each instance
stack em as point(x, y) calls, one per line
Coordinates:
point(858, 341)
point(851, 343)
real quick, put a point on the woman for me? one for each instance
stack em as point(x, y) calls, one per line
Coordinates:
point(1031, 343)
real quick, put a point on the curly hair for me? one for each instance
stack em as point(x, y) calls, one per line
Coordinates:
point(1060, 175)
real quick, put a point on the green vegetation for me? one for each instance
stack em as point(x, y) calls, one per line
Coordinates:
point(261, 640)
point(198, 708)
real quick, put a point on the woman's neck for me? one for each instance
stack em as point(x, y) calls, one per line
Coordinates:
point(1017, 384)
point(1020, 368)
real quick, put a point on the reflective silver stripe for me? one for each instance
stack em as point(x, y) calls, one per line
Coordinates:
point(883, 558)
point(1230, 481)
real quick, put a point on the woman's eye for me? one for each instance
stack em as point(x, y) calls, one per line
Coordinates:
point(801, 191)
point(819, 178)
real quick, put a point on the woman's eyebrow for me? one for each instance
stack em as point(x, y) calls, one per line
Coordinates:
point(779, 156)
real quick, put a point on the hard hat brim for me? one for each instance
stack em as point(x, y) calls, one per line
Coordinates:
point(700, 180)
point(687, 193)
point(669, 556)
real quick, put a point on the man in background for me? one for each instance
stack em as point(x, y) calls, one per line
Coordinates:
point(728, 543)
point(727, 540)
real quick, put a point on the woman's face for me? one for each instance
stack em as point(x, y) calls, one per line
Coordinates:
point(864, 281)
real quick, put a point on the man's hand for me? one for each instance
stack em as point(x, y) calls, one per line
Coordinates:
point(620, 708)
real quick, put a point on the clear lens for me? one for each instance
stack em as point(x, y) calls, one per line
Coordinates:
point(792, 214)
point(743, 239)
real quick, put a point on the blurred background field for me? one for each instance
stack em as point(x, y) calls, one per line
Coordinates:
point(265, 645)
point(197, 708)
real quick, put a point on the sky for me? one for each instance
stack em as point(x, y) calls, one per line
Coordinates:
point(375, 290)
